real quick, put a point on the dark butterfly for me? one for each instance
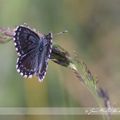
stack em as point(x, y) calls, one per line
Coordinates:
point(33, 52)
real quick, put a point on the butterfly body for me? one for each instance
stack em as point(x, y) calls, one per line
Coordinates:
point(33, 52)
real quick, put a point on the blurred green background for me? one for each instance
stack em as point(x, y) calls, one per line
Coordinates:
point(94, 32)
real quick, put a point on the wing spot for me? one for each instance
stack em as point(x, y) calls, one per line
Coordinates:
point(14, 38)
point(16, 49)
point(17, 28)
point(48, 56)
point(18, 54)
point(15, 44)
point(17, 60)
point(16, 66)
point(25, 76)
point(50, 52)
point(30, 76)
point(21, 74)
point(14, 34)
point(40, 80)
point(18, 70)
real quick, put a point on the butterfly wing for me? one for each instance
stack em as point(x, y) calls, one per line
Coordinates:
point(25, 40)
point(27, 65)
point(45, 56)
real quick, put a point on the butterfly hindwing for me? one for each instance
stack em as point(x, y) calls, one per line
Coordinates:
point(27, 65)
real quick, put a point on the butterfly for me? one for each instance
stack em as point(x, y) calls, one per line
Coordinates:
point(33, 52)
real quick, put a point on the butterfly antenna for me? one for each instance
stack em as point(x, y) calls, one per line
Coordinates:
point(66, 31)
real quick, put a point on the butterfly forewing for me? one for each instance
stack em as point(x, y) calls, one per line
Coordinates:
point(25, 40)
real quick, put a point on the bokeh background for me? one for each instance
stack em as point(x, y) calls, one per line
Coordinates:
point(94, 32)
